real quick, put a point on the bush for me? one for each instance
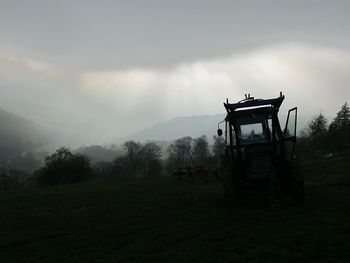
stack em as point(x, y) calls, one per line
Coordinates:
point(63, 167)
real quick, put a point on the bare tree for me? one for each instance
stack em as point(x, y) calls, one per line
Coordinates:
point(133, 155)
point(150, 155)
point(218, 148)
point(200, 150)
point(180, 154)
point(9, 179)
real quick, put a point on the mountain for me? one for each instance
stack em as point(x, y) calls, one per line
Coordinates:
point(175, 128)
point(98, 153)
point(19, 139)
point(193, 126)
point(17, 130)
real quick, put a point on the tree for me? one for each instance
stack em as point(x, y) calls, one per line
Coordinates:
point(218, 149)
point(60, 157)
point(64, 167)
point(318, 132)
point(180, 154)
point(120, 166)
point(303, 142)
point(104, 170)
point(12, 179)
point(79, 168)
point(133, 156)
point(150, 158)
point(342, 120)
point(200, 150)
point(339, 128)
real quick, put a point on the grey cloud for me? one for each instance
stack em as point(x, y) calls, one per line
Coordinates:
point(106, 104)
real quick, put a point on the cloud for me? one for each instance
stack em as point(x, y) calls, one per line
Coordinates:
point(312, 77)
point(18, 63)
point(106, 104)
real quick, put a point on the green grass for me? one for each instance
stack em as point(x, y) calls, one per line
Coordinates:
point(161, 220)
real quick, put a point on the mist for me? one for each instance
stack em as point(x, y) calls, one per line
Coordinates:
point(92, 75)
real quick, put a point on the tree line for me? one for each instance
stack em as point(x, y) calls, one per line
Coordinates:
point(139, 160)
point(321, 137)
point(188, 151)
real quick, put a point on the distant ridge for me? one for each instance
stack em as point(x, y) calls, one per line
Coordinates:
point(18, 130)
point(193, 126)
point(22, 142)
point(175, 128)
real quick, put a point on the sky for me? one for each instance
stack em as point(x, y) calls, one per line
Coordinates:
point(104, 69)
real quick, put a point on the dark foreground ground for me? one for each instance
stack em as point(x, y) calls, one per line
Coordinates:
point(161, 220)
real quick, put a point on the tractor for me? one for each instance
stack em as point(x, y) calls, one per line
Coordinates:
point(259, 152)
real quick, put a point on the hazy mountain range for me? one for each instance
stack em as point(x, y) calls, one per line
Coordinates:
point(17, 130)
point(194, 126)
point(175, 128)
point(19, 136)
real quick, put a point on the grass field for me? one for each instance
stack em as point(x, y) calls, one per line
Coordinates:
point(162, 220)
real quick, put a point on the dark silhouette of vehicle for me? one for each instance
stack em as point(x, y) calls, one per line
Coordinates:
point(259, 151)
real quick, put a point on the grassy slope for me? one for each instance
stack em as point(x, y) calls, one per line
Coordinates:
point(335, 170)
point(162, 220)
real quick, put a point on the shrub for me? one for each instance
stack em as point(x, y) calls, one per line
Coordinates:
point(63, 167)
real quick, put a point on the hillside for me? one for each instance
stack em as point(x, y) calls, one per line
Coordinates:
point(16, 128)
point(163, 220)
point(175, 128)
point(193, 126)
point(19, 136)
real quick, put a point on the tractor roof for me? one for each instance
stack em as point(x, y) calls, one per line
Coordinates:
point(250, 102)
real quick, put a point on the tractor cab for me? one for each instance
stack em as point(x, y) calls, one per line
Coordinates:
point(252, 126)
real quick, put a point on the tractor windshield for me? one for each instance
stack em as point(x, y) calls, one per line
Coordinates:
point(251, 131)
point(253, 128)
